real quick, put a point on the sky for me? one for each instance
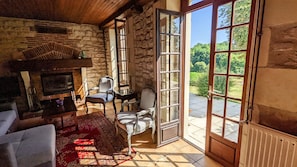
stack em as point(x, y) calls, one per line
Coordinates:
point(201, 26)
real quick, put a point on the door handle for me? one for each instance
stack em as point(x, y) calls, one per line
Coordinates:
point(209, 92)
point(241, 122)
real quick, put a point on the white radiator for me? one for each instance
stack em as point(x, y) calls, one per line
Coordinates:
point(270, 148)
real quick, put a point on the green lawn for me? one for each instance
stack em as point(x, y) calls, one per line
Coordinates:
point(235, 90)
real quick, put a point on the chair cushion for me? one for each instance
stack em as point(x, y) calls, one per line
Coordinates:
point(34, 146)
point(129, 119)
point(147, 99)
point(100, 96)
point(105, 84)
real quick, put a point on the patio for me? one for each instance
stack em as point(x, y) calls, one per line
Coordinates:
point(197, 120)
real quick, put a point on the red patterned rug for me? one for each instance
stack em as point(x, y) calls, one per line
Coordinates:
point(95, 144)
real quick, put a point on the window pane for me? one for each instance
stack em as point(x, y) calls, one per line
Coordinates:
point(192, 2)
point(169, 98)
point(164, 62)
point(174, 113)
point(216, 125)
point(164, 115)
point(174, 62)
point(174, 44)
point(174, 97)
point(164, 41)
point(174, 80)
point(240, 37)
point(164, 22)
point(242, 11)
point(223, 40)
point(124, 79)
point(175, 24)
point(224, 15)
point(164, 98)
point(231, 131)
point(218, 104)
point(235, 87)
point(123, 67)
point(165, 81)
point(221, 63)
point(220, 84)
point(237, 63)
point(169, 114)
point(233, 109)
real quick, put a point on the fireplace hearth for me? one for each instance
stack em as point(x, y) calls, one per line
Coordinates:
point(50, 71)
point(57, 83)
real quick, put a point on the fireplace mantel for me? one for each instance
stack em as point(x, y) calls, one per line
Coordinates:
point(50, 64)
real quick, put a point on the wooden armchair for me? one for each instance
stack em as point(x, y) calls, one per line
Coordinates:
point(105, 93)
point(136, 122)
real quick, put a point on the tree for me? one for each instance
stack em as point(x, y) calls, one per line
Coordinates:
point(199, 67)
point(200, 53)
point(241, 15)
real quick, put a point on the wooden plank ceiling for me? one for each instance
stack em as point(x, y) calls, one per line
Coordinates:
point(76, 11)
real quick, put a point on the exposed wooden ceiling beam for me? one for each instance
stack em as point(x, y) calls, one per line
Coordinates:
point(118, 12)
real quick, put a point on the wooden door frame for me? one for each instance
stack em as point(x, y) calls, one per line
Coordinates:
point(189, 8)
point(237, 145)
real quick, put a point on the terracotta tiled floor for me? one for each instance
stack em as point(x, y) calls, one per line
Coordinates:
point(178, 153)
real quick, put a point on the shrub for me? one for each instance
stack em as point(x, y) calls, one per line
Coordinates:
point(199, 67)
point(202, 85)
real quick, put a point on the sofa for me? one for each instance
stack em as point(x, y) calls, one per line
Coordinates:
point(9, 117)
point(26, 148)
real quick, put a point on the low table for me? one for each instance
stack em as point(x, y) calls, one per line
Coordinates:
point(59, 109)
point(126, 94)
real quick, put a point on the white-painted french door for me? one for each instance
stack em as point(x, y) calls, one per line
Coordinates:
point(168, 75)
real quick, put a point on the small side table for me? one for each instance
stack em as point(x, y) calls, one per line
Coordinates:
point(55, 110)
point(126, 94)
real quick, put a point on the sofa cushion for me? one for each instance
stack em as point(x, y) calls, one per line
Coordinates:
point(6, 120)
point(33, 147)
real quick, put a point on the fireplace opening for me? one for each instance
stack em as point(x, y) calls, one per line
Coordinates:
point(57, 83)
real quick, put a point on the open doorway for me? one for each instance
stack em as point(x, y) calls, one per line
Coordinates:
point(216, 76)
point(197, 61)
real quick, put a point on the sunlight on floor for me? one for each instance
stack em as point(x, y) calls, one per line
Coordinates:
point(178, 153)
point(88, 154)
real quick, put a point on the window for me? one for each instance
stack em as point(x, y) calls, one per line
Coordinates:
point(122, 54)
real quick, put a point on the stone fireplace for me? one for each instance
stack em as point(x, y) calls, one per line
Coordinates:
point(57, 83)
point(51, 71)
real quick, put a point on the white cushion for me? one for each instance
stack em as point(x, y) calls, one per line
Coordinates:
point(6, 120)
point(132, 126)
point(34, 146)
point(102, 96)
point(147, 99)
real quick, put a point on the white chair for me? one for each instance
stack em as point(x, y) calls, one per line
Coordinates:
point(136, 122)
point(105, 93)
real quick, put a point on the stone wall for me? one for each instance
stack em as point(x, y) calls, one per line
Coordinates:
point(283, 46)
point(144, 57)
point(276, 93)
point(17, 35)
